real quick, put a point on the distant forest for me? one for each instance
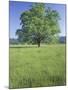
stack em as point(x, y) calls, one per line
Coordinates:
point(62, 40)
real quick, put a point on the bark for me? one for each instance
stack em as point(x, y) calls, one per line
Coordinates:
point(38, 43)
point(38, 40)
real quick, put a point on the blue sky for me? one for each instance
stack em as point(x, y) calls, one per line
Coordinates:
point(16, 8)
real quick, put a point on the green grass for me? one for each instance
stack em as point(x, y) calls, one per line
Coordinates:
point(37, 67)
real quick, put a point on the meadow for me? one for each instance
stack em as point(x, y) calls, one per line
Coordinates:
point(31, 66)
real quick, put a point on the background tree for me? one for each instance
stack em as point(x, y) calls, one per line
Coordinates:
point(19, 33)
point(39, 24)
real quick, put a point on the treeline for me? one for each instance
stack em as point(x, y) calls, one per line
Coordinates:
point(61, 39)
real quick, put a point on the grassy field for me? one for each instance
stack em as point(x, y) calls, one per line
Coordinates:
point(37, 67)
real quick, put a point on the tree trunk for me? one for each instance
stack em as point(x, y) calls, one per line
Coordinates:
point(39, 44)
point(38, 40)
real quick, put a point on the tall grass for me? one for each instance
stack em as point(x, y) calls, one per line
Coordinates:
point(37, 67)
